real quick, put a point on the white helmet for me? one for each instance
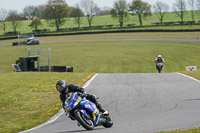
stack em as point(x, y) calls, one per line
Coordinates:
point(159, 56)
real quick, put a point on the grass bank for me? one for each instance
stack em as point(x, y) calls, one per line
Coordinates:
point(108, 20)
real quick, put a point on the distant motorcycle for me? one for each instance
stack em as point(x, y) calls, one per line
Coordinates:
point(159, 66)
point(85, 112)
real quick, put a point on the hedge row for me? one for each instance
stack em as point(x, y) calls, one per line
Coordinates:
point(176, 23)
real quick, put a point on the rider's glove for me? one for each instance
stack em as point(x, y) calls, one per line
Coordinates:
point(82, 94)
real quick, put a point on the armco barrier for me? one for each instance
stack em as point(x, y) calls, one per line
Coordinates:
point(57, 68)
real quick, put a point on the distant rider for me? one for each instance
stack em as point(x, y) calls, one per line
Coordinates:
point(64, 89)
point(159, 59)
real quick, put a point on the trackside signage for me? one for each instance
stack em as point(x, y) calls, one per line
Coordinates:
point(191, 68)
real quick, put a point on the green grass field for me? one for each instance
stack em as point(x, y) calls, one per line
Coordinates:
point(108, 20)
point(102, 53)
point(29, 98)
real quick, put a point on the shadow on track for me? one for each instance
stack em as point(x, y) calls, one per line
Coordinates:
point(77, 131)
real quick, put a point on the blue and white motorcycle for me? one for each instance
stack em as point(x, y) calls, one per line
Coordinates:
point(85, 112)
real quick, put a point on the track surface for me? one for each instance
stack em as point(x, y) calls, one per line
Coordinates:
point(140, 103)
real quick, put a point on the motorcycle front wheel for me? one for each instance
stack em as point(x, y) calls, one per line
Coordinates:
point(85, 122)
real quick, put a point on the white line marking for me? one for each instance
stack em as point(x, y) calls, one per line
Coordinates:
point(89, 81)
point(60, 112)
point(189, 77)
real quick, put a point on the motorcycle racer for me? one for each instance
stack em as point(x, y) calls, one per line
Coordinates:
point(64, 89)
point(159, 63)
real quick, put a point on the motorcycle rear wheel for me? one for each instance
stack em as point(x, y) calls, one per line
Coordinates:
point(86, 123)
point(108, 123)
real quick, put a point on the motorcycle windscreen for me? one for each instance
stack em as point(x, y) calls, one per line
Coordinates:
point(70, 102)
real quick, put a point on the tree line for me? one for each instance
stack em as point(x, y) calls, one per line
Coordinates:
point(55, 12)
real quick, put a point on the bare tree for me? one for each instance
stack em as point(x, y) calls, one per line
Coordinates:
point(89, 8)
point(29, 11)
point(55, 13)
point(34, 11)
point(15, 19)
point(160, 9)
point(3, 15)
point(77, 14)
point(140, 8)
point(97, 11)
point(191, 3)
point(198, 4)
point(179, 8)
point(120, 11)
point(105, 11)
point(41, 10)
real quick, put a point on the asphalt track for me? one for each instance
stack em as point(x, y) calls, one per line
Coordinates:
point(140, 103)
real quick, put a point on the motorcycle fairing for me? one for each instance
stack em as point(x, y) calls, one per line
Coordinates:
point(91, 107)
point(96, 117)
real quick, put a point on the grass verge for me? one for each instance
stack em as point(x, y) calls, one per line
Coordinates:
point(29, 99)
point(195, 74)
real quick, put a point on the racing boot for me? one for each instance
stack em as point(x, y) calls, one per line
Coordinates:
point(102, 110)
point(95, 100)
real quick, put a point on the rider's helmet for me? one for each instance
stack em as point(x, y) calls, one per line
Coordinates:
point(61, 86)
point(159, 56)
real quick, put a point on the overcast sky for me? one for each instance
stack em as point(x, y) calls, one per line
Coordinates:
point(20, 4)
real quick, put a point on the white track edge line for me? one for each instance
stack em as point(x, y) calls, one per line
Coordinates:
point(61, 111)
point(188, 76)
